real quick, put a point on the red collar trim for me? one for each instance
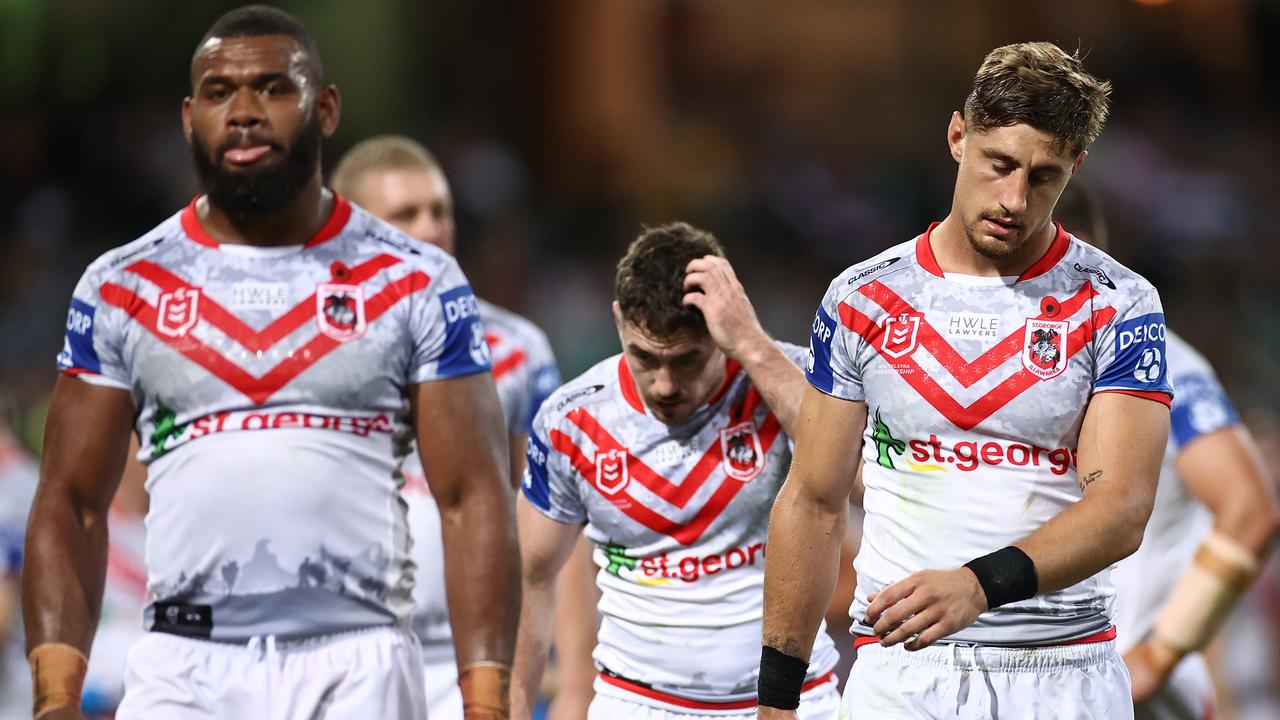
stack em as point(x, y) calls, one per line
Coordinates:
point(338, 218)
point(1057, 250)
point(632, 395)
point(628, 383)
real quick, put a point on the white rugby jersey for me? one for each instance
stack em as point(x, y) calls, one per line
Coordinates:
point(524, 370)
point(19, 475)
point(1179, 522)
point(975, 391)
point(270, 384)
point(678, 516)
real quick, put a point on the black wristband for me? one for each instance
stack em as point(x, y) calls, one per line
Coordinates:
point(1006, 575)
point(781, 679)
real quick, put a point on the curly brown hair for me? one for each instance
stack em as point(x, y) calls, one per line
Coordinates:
point(649, 286)
point(1040, 84)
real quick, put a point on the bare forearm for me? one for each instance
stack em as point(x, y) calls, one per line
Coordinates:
point(779, 381)
point(538, 599)
point(482, 576)
point(1085, 538)
point(63, 574)
point(801, 567)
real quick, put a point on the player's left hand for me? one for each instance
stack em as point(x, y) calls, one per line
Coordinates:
point(711, 286)
point(925, 607)
point(1150, 664)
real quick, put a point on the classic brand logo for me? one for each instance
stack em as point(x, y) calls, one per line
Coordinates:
point(179, 311)
point(1044, 351)
point(340, 311)
point(611, 471)
point(900, 333)
point(740, 445)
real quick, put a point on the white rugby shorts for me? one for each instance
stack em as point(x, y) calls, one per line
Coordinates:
point(444, 697)
point(820, 701)
point(1063, 682)
point(359, 675)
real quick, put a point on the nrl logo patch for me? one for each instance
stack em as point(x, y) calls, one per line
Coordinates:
point(1044, 352)
point(611, 471)
point(179, 311)
point(743, 459)
point(340, 311)
point(900, 334)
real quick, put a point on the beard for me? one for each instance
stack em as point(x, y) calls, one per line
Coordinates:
point(993, 248)
point(258, 191)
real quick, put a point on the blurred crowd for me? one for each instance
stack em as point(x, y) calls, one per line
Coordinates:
point(806, 134)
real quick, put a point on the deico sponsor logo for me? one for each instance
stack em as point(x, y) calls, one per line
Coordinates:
point(1129, 335)
point(461, 308)
point(78, 322)
point(692, 568)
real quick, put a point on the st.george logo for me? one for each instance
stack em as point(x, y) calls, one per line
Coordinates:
point(743, 458)
point(340, 311)
point(900, 333)
point(1044, 352)
point(611, 471)
point(179, 311)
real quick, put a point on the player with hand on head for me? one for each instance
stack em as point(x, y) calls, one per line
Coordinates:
point(272, 346)
point(1013, 410)
point(1213, 526)
point(671, 455)
point(398, 180)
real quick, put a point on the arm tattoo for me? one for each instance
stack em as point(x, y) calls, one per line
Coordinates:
point(787, 646)
point(1088, 479)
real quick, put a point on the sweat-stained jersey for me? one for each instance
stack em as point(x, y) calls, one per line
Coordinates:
point(975, 391)
point(272, 393)
point(524, 370)
point(678, 516)
point(1179, 522)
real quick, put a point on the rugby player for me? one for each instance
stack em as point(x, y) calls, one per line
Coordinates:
point(271, 345)
point(670, 454)
point(1212, 528)
point(1014, 409)
point(398, 180)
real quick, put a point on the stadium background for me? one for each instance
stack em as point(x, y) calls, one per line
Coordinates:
point(807, 134)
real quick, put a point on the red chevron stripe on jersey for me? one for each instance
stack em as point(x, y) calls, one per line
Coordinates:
point(676, 495)
point(968, 373)
point(967, 417)
point(234, 327)
point(257, 389)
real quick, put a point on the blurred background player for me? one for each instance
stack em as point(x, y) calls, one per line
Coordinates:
point(274, 346)
point(18, 475)
point(398, 180)
point(671, 454)
point(1013, 409)
point(1213, 525)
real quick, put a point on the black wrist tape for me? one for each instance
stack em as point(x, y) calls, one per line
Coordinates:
point(1006, 575)
point(781, 679)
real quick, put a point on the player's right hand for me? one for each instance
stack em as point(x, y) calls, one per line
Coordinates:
point(771, 713)
point(1150, 665)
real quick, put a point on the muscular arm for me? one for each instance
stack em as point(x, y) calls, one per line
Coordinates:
point(545, 544)
point(463, 446)
point(808, 521)
point(1122, 442)
point(86, 437)
point(713, 288)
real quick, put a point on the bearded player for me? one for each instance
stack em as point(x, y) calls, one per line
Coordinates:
point(1014, 409)
point(1213, 526)
point(398, 180)
point(670, 454)
point(271, 345)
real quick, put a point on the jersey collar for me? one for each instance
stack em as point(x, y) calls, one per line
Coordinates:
point(631, 393)
point(338, 218)
point(1057, 250)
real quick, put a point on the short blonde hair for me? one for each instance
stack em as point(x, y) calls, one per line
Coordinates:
point(380, 152)
point(1040, 84)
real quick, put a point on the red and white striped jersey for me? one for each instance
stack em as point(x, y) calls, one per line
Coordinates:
point(272, 392)
point(679, 517)
point(975, 391)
